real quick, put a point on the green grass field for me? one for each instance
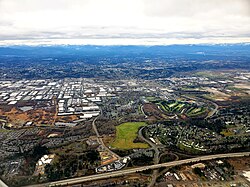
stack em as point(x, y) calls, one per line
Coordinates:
point(4, 130)
point(153, 99)
point(196, 111)
point(126, 134)
point(179, 107)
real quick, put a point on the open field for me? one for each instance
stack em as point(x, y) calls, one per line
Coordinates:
point(193, 111)
point(153, 112)
point(18, 118)
point(39, 116)
point(243, 87)
point(126, 133)
point(213, 74)
point(4, 130)
point(217, 95)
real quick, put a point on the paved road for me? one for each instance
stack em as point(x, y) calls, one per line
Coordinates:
point(211, 113)
point(55, 116)
point(156, 156)
point(143, 112)
point(95, 129)
point(99, 139)
point(138, 169)
point(2, 184)
point(214, 111)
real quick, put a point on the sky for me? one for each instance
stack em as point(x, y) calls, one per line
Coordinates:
point(124, 22)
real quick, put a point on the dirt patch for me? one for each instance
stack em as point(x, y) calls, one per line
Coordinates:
point(18, 118)
point(218, 95)
point(69, 118)
point(242, 86)
point(153, 112)
point(240, 163)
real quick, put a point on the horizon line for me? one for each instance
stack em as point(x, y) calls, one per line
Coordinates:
point(126, 42)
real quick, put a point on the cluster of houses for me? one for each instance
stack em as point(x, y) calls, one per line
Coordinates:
point(42, 162)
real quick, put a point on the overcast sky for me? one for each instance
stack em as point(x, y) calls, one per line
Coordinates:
point(124, 21)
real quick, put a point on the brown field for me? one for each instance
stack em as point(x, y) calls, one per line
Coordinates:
point(106, 158)
point(18, 118)
point(244, 87)
point(240, 163)
point(108, 139)
point(217, 95)
point(66, 118)
point(131, 179)
point(41, 115)
point(153, 112)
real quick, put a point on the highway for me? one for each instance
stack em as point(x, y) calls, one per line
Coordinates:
point(143, 168)
point(2, 184)
point(99, 139)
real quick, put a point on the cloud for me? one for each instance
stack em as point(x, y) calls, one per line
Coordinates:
point(203, 20)
point(196, 7)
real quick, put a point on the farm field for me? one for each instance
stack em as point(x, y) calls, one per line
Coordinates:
point(126, 133)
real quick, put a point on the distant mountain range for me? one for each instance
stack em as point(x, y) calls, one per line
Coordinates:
point(227, 49)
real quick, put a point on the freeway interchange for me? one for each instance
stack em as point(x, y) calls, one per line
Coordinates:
point(143, 168)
